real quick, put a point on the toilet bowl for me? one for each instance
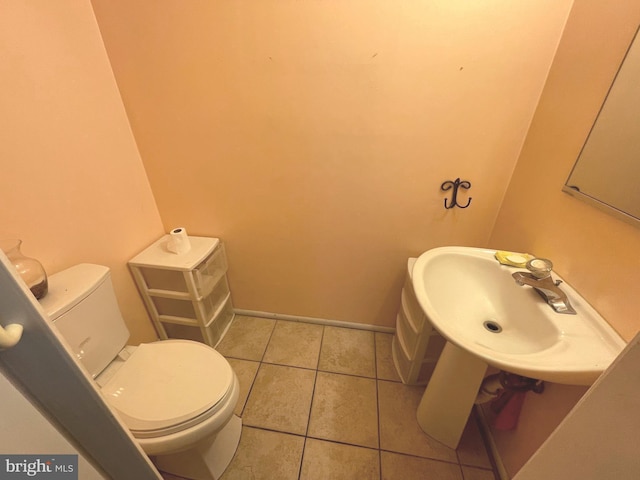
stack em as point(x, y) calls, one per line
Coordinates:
point(176, 396)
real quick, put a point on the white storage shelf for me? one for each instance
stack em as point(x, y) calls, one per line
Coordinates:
point(187, 294)
point(416, 346)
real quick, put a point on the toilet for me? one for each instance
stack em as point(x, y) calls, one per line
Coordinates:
point(176, 396)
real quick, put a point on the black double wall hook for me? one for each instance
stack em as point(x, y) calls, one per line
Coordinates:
point(456, 184)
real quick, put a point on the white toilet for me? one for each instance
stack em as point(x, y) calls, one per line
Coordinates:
point(176, 396)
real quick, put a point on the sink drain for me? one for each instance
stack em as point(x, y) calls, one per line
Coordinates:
point(493, 327)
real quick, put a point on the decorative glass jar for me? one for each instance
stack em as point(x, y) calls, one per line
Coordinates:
point(29, 269)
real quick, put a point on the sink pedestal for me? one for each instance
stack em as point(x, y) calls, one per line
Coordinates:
point(447, 402)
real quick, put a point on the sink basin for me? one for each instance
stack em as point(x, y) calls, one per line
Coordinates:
point(488, 319)
point(473, 301)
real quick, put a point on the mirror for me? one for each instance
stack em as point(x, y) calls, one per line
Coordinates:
point(607, 172)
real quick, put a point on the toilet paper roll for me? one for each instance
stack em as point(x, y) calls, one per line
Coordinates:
point(178, 241)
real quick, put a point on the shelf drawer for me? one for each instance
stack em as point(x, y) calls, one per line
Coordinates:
point(400, 360)
point(162, 279)
point(215, 330)
point(405, 332)
point(207, 275)
point(427, 344)
point(416, 346)
point(223, 320)
point(205, 309)
point(412, 308)
point(411, 372)
point(175, 283)
point(213, 303)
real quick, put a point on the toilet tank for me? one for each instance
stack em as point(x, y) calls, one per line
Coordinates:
point(83, 307)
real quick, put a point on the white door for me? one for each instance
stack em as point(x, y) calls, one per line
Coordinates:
point(43, 368)
point(24, 430)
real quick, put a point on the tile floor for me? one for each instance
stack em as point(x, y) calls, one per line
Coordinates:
point(322, 402)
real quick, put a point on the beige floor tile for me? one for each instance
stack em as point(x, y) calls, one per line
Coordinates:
point(346, 350)
point(280, 399)
point(246, 372)
point(472, 450)
point(168, 476)
point(326, 460)
point(295, 344)
point(246, 338)
point(472, 473)
point(399, 429)
point(344, 410)
point(403, 467)
point(265, 455)
point(385, 368)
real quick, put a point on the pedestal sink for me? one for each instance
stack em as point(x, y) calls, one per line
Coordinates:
point(488, 319)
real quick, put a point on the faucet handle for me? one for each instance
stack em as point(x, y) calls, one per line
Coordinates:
point(540, 267)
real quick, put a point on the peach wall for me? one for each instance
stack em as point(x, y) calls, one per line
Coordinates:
point(595, 252)
point(73, 185)
point(313, 137)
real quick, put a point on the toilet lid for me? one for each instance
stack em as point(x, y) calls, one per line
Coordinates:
point(168, 382)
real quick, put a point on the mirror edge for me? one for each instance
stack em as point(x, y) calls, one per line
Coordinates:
point(619, 214)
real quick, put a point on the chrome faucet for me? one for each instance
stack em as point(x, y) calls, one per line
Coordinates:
point(539, 277)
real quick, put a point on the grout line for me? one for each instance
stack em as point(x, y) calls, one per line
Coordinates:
point(290, 366)
point(461, 471)
point(253, 383)
point(320, 349)
point(379, 432)
point(273, 430)
point(347, 374)
point(315, 382)
point(338, 442)
point(413, 455)
point(260, 362)
point(266, 347)
point(304, 450)
point(313, 396)
point(375, 356)
point(375, 368)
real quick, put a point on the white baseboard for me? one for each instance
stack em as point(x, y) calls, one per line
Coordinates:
point(491, 444)
point(319, 321)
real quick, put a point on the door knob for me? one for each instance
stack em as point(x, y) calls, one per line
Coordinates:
point(10, 335)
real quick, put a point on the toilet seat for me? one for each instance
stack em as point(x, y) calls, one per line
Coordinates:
point(168, 386)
